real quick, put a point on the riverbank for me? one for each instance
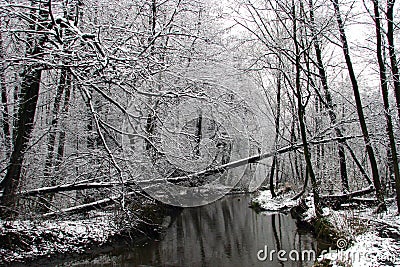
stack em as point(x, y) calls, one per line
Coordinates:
point(225, 233)
point(27, 241)
point(359, 236)
point(372, 239)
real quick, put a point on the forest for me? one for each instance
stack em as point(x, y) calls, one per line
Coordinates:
point(123, 121)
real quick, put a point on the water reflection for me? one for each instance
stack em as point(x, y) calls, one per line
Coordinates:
point(225, 233)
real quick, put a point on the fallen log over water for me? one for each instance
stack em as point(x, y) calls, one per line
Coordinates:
point(219, 169)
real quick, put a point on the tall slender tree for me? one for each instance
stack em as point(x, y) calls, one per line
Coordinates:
point(385, 97)
point(392, 52)
point(31, 77)
point(360, 111)
point(328, 99)
point(301, 109)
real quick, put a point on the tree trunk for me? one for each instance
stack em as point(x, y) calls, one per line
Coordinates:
point(26, 113)
point(15, 114)
point(4, 99)
point(72, 14)
point(53, 130)
point(90, 140)
point(293, 140)
point(61, 137)
point(360, 112)
point(271, 177)
point(392, 53)
point(151, 119)
point(277, 124)
point(329, 102)
point(395, 74)
point(385, 97)
point(301, 113)
point(198, 135)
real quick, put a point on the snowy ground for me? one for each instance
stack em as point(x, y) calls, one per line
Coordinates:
point(25, 240)
point(370, 239)
point(373, 239)
point(280, 203)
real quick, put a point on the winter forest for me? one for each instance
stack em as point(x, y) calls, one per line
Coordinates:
point(199, 133)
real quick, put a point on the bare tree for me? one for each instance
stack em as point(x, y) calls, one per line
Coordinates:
point(328, 99)
point(29, 96)
point(360, 112)
point(301, 113)
point(392, 53)
point(385, 97)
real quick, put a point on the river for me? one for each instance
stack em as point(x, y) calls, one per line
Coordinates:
point(224, 233)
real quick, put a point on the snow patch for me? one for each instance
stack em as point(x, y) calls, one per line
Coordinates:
point(23, 240)
point(279, 203)
point(369, 246)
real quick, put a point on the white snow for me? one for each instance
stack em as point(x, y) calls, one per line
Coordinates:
point(368, 248)
point(281, 202)
point(360, 225)
point(54, 237)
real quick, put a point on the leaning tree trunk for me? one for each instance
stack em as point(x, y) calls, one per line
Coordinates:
point(392, 53)
point(329, 102)
point(26, 113)
point(385, 97)
point(360, 112)
point(396, 76)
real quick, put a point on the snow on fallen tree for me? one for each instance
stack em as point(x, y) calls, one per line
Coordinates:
point(339, 199)
point(219, 169)
point(88, 206)
point(222, 168)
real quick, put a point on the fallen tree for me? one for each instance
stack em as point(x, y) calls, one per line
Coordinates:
point(337, 200)
point(140, 183)
point(88, 206)
point(88, 184)
point(73, 187)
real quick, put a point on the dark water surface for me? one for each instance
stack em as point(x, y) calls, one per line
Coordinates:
point(224, 233)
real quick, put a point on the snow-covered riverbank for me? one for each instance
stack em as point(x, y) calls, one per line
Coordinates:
point(21, 241)
point(372, 239)
point(265, 202)
point(365, 238)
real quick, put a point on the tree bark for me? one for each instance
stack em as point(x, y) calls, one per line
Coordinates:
point(62, 136)
point(360, 112)
point(277, 124)
point(53, 130)
point(198, 134)
point(395, 74)
point(329, 101)
point(392, 53)
point(151, 119)
point(301, 113)
point(385, 97)
point(26, 113)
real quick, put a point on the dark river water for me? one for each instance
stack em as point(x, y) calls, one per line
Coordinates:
point(224, 233)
